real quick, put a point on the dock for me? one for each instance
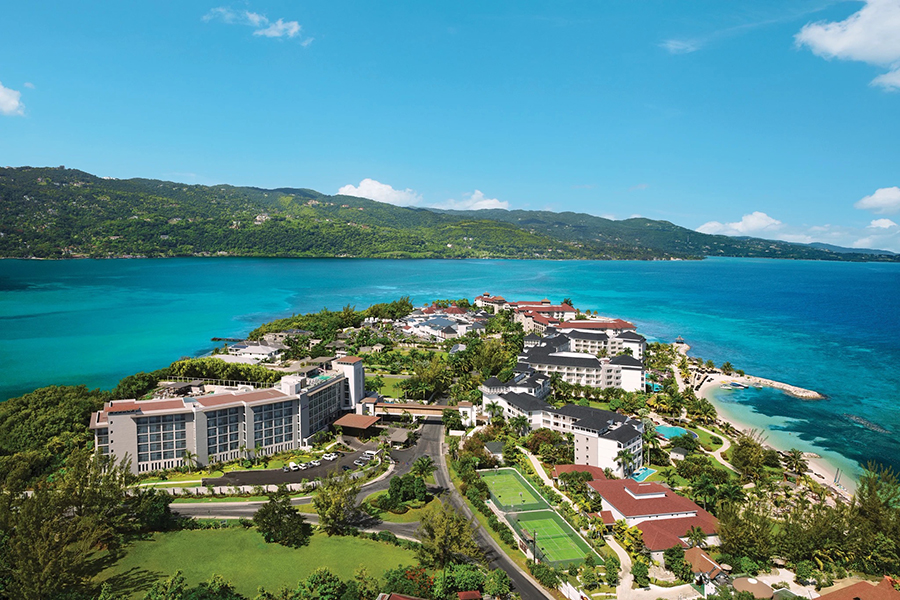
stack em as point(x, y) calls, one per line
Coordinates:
point(793, 390)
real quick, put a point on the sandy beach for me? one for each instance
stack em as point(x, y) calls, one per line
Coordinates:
point(823, 470)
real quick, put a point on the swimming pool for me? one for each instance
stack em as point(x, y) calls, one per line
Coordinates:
point(642, 473)
point(669, 432)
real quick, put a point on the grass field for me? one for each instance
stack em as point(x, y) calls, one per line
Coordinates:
point(556, 538)
point(413, 515)
point(243, 558)
point(511, 492)
point(391, 387)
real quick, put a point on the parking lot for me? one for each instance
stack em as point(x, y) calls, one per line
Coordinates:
point(278, 476)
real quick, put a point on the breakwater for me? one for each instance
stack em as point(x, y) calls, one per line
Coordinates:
point(793, 390)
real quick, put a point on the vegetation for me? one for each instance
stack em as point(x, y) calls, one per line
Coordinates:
point(447, 537)
point(280, 523)
point(335, 502)
point(57, 213)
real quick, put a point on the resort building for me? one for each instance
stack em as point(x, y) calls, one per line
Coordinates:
point(159, 433)
point(599, 435)
point(663, 516)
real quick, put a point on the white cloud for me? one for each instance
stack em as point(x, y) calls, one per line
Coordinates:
point(280, 28)
point(883, 201)
point(882, 224)
point(29, 85)
point(262, 25)
point(381, 192)
point(870, 35)
point(640, 186)
point(474, 201)
point(753, 223)
point(10, 102)
point(680, 46)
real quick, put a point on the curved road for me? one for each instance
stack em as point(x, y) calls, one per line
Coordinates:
point(431, 444)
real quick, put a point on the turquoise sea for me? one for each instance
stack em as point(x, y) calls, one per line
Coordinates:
point(832, 327)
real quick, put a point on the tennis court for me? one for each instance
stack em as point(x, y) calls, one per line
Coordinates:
point(557, 542)
point(510, 492)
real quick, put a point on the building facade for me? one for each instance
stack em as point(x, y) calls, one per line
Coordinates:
point(166, 433)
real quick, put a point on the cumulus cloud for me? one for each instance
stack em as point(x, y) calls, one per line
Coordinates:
point(474, 201)
point(381, 192)
point(260, 23)
point(883, 201)
point(750, 224)
point(882, 224)
point(10, 102)
point(870, 35)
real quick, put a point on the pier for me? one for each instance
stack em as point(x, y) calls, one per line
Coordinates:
point(793, 390)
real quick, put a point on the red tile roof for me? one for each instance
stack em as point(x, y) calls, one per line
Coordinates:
point(612, 324)
point(865, 591)
point(349, 360)
point(660, 534)
point(597, 472)
point(239, 397)
point(625, 495)
point(701, 562)
point(357, 421)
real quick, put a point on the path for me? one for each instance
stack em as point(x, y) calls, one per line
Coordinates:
point(726, 444)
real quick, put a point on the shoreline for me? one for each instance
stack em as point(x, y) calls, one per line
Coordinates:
point(821, 469)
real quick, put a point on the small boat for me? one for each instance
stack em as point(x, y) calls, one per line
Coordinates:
point(733, 385)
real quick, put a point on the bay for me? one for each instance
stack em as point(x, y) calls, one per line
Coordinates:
point(831, 327)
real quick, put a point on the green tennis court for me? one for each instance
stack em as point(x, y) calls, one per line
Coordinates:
point(510, 492)
point(557, 542)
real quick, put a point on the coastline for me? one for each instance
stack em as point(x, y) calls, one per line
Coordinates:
point(824, 468)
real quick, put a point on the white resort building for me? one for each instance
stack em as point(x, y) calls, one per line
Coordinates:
point(156, 434)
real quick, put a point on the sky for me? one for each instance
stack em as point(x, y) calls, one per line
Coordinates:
point(776, 119)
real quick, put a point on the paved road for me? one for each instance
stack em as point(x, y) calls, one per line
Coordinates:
point(430, 443)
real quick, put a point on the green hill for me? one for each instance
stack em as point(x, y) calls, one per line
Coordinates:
point(59, 213)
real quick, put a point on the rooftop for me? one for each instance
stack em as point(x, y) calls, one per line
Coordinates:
point(357, 421)
point(647, 499)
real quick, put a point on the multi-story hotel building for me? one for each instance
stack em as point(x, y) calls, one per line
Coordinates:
point(156, 434)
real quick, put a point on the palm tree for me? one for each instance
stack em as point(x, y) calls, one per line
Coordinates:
point(494, 410)
point(696, 536)
point(190, 459)
point(794, 461)
point(423, 467)
point(730, 493)
point(625, 457)
point(520, 424)
point(704, 489)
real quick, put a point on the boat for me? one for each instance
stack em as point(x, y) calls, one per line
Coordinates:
point(733, 385)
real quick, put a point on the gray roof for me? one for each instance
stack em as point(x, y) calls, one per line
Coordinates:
point(492, 382)
point(540, 355)
point(589, 417)
point(588, 335)
point(439, 322)
point(525, 402)
point(494, 447)
point(624, 433)
point(630, 335)
point(532, 337)
point(626, 361)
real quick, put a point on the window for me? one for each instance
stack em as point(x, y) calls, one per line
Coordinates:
point(223, 430)
point(157, 435)
point(273, 423)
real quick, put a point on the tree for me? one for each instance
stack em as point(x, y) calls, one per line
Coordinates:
point(280, 523)
point(612, 566)
point(641, 573)
point(674, 561)
point(794, 461)
point(423, 467)
point(497, 583)
point(520, 424)
point(624, 457)
point(375, 383)
point(494, 410)
point(696, 536)
point(452, 419)
point(173, 588)
point(747, 457)
point(335, 502)
point(322, 584)
point(446, 536)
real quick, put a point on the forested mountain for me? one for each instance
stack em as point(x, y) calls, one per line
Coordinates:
point(59, 213)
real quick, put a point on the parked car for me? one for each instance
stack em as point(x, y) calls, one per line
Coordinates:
point(359, 462)
point(330, 456)
point(365, 458)
point(345, 468)
point(286, 469)
point(314, 463)
point(294, 466)
point(303, 466)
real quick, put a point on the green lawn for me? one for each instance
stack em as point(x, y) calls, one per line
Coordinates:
point(243, 558)
point(413, 515)
point(511, 491)
point(705, 440)
point(391, 387)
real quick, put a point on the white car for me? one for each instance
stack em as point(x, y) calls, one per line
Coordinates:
point(303, 466)
point(314, 463)
point(330, 456)
point(294, 466)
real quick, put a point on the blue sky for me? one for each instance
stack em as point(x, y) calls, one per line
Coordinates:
point(777, 119)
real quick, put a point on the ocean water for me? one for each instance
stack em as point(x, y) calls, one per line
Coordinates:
point(831, 327)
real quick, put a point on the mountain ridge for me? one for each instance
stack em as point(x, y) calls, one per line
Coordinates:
point(67, 213)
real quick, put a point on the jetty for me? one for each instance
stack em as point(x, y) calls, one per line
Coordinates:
point(793, 390)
